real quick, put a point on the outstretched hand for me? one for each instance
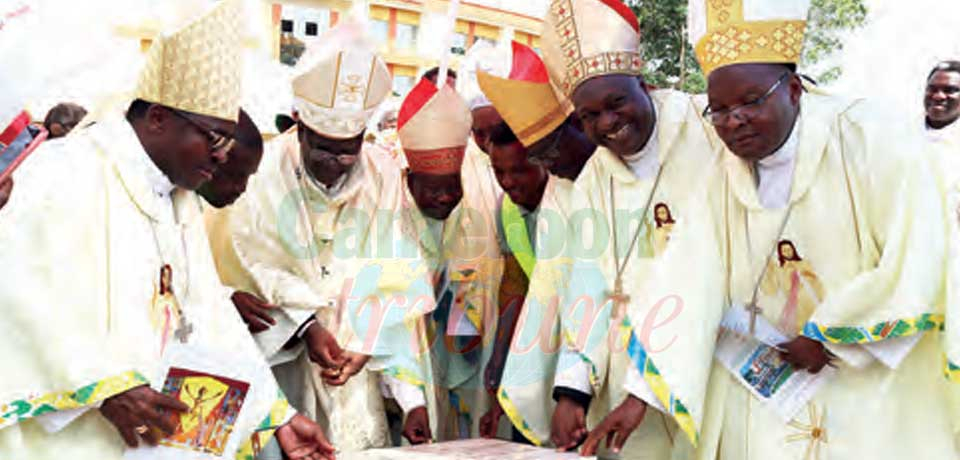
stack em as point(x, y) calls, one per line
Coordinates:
point(139, 413)
point(806, 353)
point(568, 427)
point(302, 439)
point(616, 427)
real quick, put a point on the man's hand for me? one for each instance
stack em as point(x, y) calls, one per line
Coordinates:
point(254, 311)
point(302, 439)
point(417, 426)
point(323, 348)
point(568, 427)
point(490, 420)
point(806, 353)
point(353, 365)
point(140, 413)
point(621, 422)
point(6, 188)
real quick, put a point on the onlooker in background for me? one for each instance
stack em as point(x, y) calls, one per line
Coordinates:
point(62, 118)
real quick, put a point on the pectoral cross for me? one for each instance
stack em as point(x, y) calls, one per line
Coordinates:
point(324, 273)
point(754, 311)
point(619, 298)
point(184, 329)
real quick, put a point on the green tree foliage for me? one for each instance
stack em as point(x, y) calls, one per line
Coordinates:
point(672, 63)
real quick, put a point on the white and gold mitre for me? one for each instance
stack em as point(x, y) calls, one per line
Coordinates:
point(583, 39)
point(340, 83)
point(197, 68)
point(726, 32)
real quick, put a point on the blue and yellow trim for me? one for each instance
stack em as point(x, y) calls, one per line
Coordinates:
point(265, 430)
point(852, 335)
point(659, 386)
point(513, 413)
point(23, 409)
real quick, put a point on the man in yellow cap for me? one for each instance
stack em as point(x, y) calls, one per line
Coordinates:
point(632, 193)
point(831, 242)
point(308, 226)
point(118, 319)
point(548, 136)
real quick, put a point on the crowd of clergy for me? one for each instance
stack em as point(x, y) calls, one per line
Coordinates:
point(540, 248)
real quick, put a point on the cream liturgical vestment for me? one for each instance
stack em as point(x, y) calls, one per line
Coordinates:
point(459, 255)
point(84, 318)
point(614, 203)
point(304, 249)
point(871, 291)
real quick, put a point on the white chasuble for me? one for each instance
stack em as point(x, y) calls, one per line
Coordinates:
point(854, 260)
point(90, 240)
point(463, 267)
point(306, 249)
point(579, 284)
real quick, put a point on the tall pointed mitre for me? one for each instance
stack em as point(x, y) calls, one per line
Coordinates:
point(481, 57)
point(526, 99)
point(583, 39)
point(433, 126)
point(197, 68)
point(747, 31)
point(340, 83)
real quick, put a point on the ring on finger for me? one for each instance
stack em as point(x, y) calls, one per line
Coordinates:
point(142, 429)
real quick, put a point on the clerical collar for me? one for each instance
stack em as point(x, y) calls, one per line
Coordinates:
point(774, 173)
point(644, 163)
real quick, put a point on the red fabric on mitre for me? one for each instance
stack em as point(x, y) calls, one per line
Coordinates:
point(527, 66)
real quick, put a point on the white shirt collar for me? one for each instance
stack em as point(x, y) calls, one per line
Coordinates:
point(159, 182)
point(951, 131)
point(774, 173)
point(644, 163)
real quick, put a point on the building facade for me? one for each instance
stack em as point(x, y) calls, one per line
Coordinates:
point(410, 33)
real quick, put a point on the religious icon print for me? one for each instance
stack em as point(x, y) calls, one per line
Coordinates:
point(663, 226)
point(214, 403)
point(164, 309)
point(792, 280)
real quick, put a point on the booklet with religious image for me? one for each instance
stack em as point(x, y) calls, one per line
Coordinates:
point(214, 403)
point(754, 360)
point(216, 387)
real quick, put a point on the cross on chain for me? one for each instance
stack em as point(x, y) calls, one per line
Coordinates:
point(184, 330)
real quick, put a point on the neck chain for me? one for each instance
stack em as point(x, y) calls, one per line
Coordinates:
point(184, 328)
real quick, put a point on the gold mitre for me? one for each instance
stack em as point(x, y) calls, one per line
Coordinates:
point(198, 68)
point(583, 39)
point(433, 126)
point(526, 100)
point(747, 31)
point(339, 84)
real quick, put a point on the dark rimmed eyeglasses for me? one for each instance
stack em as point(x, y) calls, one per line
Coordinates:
point(718, 117)
point(217, 142)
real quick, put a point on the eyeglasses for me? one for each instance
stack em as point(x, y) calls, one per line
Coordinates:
point(718, 117)
point(216, 141)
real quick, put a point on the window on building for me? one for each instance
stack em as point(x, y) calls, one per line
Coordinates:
point(286, 26)
point(459, 44)
point(380, 30)
point(406, 36)
point(402, 84)
point(311, 29)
